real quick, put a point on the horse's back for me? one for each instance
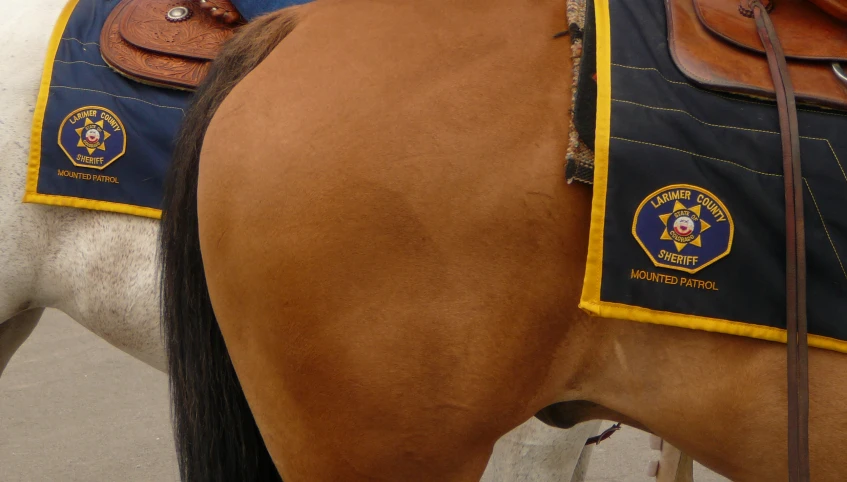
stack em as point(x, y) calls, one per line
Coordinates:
point(365, 219)
point(75, 260)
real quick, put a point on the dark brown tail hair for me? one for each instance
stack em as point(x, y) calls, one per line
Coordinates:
point(215, 433)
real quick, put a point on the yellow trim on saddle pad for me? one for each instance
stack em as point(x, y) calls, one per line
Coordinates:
point(603, 127)
point(590, 300)
point(31, 194)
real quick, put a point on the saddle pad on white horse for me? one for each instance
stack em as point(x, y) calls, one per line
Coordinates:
point(101, 140)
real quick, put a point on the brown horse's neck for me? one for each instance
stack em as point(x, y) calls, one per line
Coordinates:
point(715, 396)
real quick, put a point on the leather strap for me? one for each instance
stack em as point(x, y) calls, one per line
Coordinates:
point(595, 440)
point(798, 370)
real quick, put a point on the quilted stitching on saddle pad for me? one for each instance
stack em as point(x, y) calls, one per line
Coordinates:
point(688, 221)
point(250, 9)
point(100, 140)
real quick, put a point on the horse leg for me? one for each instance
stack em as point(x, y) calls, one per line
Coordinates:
point(580, 472)
point(673, 465)
point(14, 331)
point(535, 451)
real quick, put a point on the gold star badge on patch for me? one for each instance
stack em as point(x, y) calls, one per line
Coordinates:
point(683, 226)
point(92, 136)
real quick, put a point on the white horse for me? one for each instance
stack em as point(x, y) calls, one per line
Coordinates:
point(100, 268)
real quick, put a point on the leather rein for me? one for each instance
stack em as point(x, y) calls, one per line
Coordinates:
point(795, 282)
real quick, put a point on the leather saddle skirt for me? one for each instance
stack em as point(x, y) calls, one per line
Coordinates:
point(717, 47)
point(166, 43)
point(835, 8)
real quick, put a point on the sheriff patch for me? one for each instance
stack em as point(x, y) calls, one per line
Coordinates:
point(683, 227)
point(92, 137)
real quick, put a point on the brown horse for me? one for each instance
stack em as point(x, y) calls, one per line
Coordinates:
point(394, 261)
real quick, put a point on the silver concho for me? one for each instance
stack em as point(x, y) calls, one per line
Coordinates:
point(839, 72)
point(179, 14)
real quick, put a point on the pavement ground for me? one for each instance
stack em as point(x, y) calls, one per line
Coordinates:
point(75, 409)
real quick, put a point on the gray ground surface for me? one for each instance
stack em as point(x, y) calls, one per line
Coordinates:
point(73, 408)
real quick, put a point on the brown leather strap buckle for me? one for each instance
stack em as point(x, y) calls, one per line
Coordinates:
point(748, 11)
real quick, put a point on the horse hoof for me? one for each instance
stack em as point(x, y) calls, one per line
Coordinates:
point(655, 442)
point(653, 469)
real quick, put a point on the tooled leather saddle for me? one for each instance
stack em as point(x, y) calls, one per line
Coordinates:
point(717, 47)
point(790, 51)
point(167, 43)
